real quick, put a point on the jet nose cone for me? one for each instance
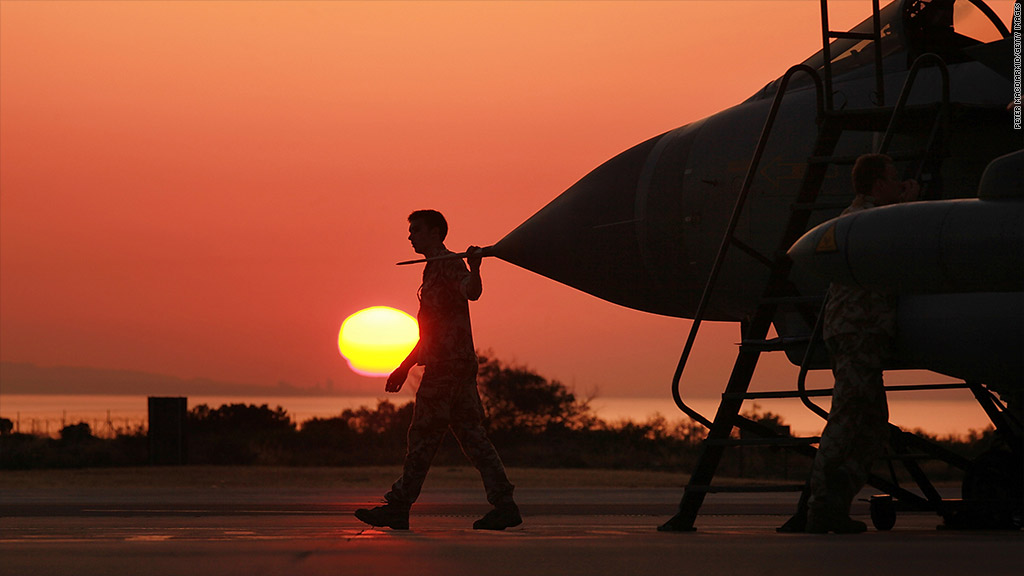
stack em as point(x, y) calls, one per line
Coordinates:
point(642, 229)
point(586, 237)
point(614, 234)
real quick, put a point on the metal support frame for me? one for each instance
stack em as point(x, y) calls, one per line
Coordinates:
point(778, 291)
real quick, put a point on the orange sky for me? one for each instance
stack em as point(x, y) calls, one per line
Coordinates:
point(207, 189)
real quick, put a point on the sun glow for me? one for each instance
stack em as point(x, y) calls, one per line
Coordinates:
point(374, 341)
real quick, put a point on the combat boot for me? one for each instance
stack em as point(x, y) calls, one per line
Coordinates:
point(392, 515)
point(830, 510)
point(501, 517)
point(823, 522)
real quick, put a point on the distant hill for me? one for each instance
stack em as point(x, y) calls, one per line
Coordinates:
point(23, 378)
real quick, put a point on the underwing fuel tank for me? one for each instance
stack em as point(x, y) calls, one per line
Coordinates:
point(943, 246)
point(973, 336)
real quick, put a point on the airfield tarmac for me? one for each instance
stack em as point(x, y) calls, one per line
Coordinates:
point(210, 521)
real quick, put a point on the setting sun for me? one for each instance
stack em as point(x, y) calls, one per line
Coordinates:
point(375, 340)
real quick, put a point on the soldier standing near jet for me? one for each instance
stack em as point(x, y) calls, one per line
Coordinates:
point(447, 396)
point(858, 329)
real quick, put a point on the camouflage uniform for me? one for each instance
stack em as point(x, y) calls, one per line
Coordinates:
point(447, 397)
point(859, 326)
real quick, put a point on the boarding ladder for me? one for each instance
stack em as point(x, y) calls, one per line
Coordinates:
point(779, 291)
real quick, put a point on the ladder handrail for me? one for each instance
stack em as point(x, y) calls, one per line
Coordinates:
point(733, 222)
point(908, 85)
point(876, 20)
point(801, 380)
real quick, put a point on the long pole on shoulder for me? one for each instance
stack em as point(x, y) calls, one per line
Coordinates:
point(484, 252)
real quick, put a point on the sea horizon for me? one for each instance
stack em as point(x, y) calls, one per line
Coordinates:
point(109, 413)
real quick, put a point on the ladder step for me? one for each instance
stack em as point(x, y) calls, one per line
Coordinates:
point(908, 456)
point(851, 35)
point(775, 344)
point(839, 160)
point(861, 118)
point(914, 387)
point(877, 119)
point(767, 441)
point(746, 488)
point(751, 251)
point(818, 206)
point(850, 160)
point(913, 154)
point(794, 299)
point(782, 394)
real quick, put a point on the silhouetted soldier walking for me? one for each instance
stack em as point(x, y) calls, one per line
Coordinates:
point(447, 397)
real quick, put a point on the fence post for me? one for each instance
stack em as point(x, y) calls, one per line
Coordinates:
point(167, 433)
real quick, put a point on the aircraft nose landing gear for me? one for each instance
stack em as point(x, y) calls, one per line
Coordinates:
point(993, 493)
point(883, 512)
point(992, 497)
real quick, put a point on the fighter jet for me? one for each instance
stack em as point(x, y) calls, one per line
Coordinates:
point(695, 222)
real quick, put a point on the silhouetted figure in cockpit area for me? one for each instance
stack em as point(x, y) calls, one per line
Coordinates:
point(447, 397)
point(929, 28)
